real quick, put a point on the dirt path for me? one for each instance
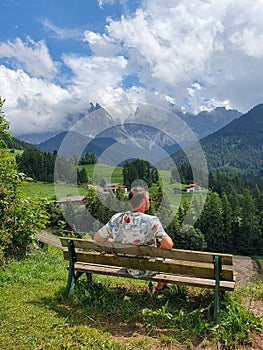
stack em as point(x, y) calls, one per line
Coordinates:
point(48, 238)
point(247, 269)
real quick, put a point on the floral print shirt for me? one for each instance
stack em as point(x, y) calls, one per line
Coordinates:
point(134, 228)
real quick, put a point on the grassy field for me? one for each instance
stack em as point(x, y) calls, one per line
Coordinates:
point(52, 190)
point(110, 175)
point(110, 313)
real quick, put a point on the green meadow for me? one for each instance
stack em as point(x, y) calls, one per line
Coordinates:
point(110, 175)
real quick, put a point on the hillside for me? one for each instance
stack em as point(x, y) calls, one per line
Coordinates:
point(14, 143)
point(237, 146)
point(77, 144)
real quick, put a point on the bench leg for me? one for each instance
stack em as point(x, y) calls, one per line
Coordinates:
point(72, 277)
point(89, 277)
point(71, 281)
point(217, 272)
point(150, 286)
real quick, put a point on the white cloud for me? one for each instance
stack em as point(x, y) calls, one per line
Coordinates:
point(106, 2)
point(97, 79)
point(60, 33)
point(172, 46)
point(199, 54)
point(32, 56)
point(101, 45)
point(33, 105)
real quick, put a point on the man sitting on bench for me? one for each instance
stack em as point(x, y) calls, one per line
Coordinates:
point(136, 227)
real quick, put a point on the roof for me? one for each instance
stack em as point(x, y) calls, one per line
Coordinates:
point(113, 185)
point(71, 199)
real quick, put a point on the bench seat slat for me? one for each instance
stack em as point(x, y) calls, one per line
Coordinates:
point(194, 269)
point(184, 280)
point(175, 254)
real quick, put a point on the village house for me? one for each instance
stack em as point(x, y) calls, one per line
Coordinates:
point(75, 200)
point(113, 187)
point(192, 188)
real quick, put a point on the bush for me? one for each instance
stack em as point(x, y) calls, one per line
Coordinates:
point(20, 216)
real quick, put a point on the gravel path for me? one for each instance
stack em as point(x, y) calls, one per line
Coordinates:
point(247, 269)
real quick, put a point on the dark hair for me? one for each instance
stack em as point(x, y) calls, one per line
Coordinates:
point(136, 195)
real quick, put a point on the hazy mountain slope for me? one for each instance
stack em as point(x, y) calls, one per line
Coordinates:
point(206, 123)
point(76, 144)
point(99, 119)
point(236, 147)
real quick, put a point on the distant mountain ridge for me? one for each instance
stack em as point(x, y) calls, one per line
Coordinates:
point(77, 144)
point(237, 147)
point(206, 123)
point(202, 124)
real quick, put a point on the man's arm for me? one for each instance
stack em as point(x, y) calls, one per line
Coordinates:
point(98, 238)
point(166, 243)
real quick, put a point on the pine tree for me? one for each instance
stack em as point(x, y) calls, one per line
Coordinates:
point(210, 222)
point(249, 230)
point(227, 242)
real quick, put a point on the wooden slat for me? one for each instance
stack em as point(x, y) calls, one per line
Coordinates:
point(184, 280)
point(199, 270)
point(175, 254)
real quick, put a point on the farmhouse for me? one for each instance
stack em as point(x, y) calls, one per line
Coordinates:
point(113, 187)
point(192, 188)
point(75, 200)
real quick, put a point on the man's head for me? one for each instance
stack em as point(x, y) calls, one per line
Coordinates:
point(139, 199)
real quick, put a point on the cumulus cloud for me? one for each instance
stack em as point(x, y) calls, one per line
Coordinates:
point(170, 47)
point(101, 45)
point(198, 54)
point(33, 57)
point(97, 78)
point(33, 105)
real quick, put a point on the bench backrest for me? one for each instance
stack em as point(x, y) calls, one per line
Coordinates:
point(177, 261)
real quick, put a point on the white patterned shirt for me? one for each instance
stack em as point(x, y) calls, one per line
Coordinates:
point(134, 228)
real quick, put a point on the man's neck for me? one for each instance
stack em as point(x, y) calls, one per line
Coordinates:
point(139, 210)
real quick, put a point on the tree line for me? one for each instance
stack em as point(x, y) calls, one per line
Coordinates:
point(40, 166)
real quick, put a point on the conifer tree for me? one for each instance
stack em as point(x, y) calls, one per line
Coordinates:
point(227, 235)
point(249, 230)
point(210, 222)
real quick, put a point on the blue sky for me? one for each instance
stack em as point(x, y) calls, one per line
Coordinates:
point(58, 56)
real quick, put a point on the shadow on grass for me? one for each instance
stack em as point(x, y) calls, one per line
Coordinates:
point(124, 311)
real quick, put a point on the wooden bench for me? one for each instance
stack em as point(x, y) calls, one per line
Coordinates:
point(192, 268)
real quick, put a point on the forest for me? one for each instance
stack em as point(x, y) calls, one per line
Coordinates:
point(231, 220)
